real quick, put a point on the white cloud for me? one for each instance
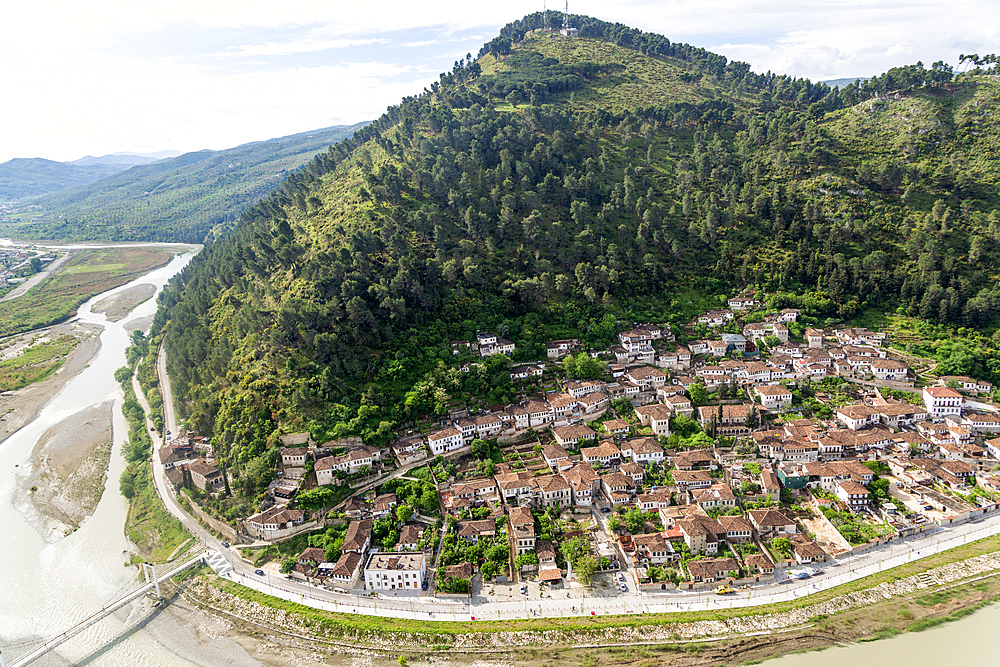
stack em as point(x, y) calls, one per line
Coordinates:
point(301, 46)
point(114, 75)
point(824, 38)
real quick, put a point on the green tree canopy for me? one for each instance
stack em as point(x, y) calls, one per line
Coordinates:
point(403, 513)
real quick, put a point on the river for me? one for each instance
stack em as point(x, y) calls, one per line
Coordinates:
point(46, 587)
point(967, 640)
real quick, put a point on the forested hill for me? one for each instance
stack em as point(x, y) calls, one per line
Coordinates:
point(32, 177)
point(554, 185)
point(180, 199)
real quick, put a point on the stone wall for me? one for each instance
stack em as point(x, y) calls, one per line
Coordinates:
point(223, 529)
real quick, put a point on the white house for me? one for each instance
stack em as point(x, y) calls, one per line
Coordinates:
point(857, 417)
point(773, 396)
point(446, 440)
point(490, 344)
point(395, 572)
point(643, 451)
point(889, 369)
point(942, 401)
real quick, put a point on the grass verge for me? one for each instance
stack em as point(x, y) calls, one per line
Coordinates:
point(151, 528)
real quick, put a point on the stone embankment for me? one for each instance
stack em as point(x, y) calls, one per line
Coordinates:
point(637, 629)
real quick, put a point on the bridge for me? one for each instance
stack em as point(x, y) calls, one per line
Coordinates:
point(152, 584)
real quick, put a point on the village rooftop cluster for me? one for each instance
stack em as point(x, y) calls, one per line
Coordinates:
point(687, 466)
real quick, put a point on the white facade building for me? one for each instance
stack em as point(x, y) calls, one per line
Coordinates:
point(395, 572)
point(942, 401)
point(446, 440)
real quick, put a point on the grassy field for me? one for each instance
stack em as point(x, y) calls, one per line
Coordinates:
point(93, 268)
point(642, 82)
point(35, 363)
point(86, 274)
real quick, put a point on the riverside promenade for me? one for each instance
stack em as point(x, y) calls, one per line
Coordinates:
point(423, 608)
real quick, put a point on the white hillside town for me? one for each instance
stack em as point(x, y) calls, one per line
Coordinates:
point(747, 449)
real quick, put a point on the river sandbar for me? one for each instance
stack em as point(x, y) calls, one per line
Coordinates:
point(18, 408)
point(118, 306)
point(69, 467)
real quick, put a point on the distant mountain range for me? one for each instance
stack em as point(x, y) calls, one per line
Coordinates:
point(130, 159)
point(22, 178)
point(840, 83)
point(141, 197)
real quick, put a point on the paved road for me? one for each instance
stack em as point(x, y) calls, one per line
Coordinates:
point(169, 416)
point(162, 484)
point(423, 607)
point(630, 603)
point(35, 279)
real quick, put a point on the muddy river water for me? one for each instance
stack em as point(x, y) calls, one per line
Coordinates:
point(46, 587)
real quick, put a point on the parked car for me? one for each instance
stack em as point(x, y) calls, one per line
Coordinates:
point(524, 589)
point(605, 510)
point(225, 544)
point(259, 573)
point(423, 586)
point(621, 578)
point(815, 571)
point(801, 575)
point(622, 587)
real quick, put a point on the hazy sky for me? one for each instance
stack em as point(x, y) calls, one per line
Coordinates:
point(113, 75)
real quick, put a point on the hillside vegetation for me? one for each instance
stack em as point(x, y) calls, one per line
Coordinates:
point(181, 199)
point(32, 177)
point(553, 187)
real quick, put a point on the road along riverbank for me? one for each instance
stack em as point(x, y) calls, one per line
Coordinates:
point(873, 608)
point(771, 616)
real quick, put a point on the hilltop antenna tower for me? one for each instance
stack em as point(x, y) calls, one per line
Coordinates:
point(566, 29)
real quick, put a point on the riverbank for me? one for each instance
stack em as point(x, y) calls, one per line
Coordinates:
point(86, 274)
point(46, 586)
point(21, 407)
point(69, 466)
point(913, 597)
